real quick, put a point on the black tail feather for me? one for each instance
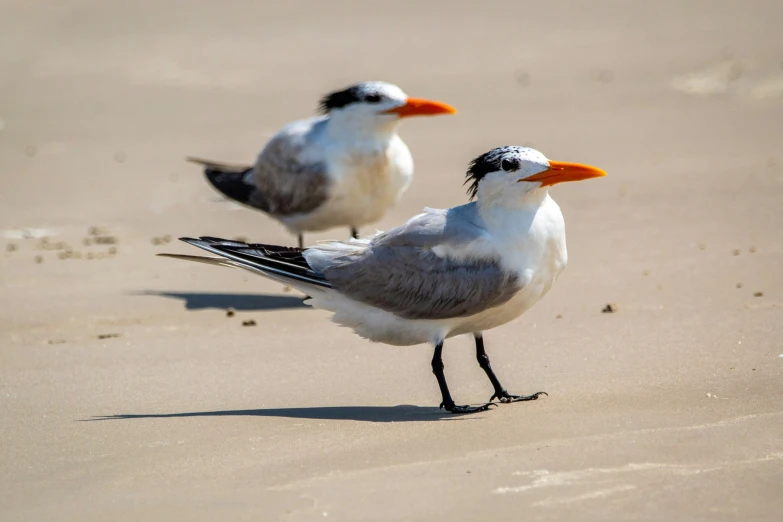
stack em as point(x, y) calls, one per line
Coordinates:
point(236, 185)
point(287, 262)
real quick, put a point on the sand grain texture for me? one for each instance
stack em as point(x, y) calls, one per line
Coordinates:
point(668, 409)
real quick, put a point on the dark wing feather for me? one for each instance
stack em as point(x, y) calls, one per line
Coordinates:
point(285, 183)
point(282, 261)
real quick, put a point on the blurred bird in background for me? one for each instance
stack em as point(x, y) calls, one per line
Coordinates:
point(347, 167)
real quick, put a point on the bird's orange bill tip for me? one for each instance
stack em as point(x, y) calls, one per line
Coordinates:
point(421, 107)
point(560, 171)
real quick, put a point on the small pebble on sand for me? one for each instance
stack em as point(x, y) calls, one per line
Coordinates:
point(602, 76)
point(56, 341)
point(105, 240)
point(752, 250)
point(758, 294)
point(39, 259)
point(646, 273)
point(523, 78)
point(739, 285)
point(11, 247)
point(702, 246)
point(108, 336)
point(609, 308)
point(230, 312)
point(559, 316)
point(736, 251)
point(249, 322)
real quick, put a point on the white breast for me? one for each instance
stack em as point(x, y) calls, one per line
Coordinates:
point(365, 183)
point(537, 257)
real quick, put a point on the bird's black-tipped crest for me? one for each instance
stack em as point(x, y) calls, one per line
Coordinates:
point(483, 165)
point(368, 92)
point(339, 99)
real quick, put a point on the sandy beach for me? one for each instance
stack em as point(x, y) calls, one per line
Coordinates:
point(127, 393)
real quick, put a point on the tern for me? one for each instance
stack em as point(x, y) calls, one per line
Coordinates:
point(463, 270)
point(346, 167)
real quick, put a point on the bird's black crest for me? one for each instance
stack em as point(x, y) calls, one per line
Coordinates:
point(357, 93)
point(340, 99)
point(483, 165)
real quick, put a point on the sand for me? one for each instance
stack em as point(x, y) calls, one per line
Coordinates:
point(126, 393)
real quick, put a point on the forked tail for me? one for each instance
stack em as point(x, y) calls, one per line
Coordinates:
point(284, 264)
point(233, 181)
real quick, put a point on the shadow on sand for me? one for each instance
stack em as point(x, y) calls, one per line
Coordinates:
point(401, 413)
point(240, 302)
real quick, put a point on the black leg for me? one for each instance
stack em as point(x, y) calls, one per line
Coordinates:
point(500, 393)
point(300, 237)
point(354, 233)
point(448, 402)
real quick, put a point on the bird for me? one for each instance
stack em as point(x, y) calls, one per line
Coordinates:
point(345, 167)
point(445, 272)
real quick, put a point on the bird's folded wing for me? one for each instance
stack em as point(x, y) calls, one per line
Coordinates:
point(409, 270)
point(290, 176)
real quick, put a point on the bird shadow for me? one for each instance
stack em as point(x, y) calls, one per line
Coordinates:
point(400, 413)
point(241, 302)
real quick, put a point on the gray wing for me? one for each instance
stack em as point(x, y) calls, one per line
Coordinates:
point(289, 176)
point(399, 272)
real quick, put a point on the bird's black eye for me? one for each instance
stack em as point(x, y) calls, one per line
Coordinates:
point(372, 98)
point(510, 164)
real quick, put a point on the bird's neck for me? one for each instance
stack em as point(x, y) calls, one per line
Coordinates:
point(512, 214)
point(353, 129)
point(530, 235)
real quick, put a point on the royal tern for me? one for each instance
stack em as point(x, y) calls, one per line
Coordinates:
point(346, 167)
point(463, 270)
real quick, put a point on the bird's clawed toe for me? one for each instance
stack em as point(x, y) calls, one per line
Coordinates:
point(453, 408)
point(506, 397)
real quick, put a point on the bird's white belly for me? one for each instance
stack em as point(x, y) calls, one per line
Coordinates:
point(499, 315)
point(536, 283)
point(365, 189)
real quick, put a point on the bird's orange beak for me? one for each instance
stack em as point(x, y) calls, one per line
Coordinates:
point(421, 107)
point(560, 171)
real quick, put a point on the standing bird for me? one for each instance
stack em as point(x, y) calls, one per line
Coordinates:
point(346, 167)
point(443, 273)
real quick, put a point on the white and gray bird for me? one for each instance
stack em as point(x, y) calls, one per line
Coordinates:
point(347, 167)
point(463, 270)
